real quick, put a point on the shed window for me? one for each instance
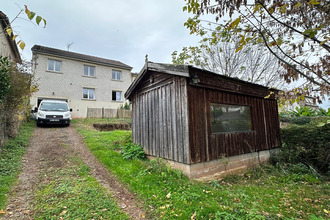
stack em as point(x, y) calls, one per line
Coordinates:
point(230, 118)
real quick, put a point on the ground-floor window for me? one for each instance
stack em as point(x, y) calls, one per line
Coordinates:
point(88, 93)
point(116, 95)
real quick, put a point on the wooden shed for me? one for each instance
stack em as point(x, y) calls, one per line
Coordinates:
point(201, 122)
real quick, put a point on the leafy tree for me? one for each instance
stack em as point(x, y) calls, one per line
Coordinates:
point(4, 77)
point(15, 102)
point(295, 32)
point(31, 16)
point(251, 64)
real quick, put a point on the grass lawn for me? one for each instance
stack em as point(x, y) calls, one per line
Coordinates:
point(10, 160)
point(283, 192)
point(72, 193)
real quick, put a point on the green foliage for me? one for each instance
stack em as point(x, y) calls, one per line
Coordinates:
point(306, 144)
point(15, 103)
point(239, 213)
point(296, 120)
point(323, 112)
point(31, 15)
point(292, 32)
point(133, 151)
point(74, 194)
point(4, 77)
point(11, 155)
point(303, 111)
point(126, 106)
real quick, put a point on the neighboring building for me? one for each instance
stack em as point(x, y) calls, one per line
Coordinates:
point(201, 122)
point(81, 80)
point(134, 76)
point(8, 47)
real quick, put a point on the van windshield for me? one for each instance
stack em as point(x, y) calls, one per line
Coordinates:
point(52, 106)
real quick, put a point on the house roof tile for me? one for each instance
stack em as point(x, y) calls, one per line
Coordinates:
point(78, 56)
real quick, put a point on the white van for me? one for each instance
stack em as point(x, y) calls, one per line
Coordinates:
point(53, 112)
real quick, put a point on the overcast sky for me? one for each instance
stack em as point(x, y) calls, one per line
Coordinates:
point(123, 30)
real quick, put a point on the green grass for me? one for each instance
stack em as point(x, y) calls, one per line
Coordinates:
point(268, 193)
point(10, 159)
point(73, 194)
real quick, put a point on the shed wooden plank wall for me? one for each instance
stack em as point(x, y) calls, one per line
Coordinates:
point(206, 146)
point(160, 118)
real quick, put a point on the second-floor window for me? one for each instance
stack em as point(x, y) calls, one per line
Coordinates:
point(116, 74)
point(54, 65)
point(88, 93)
point(89, 71)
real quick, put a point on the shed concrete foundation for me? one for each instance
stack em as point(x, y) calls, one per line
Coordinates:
point(220, 168)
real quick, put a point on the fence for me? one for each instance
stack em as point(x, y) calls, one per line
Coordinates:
point(108, 113)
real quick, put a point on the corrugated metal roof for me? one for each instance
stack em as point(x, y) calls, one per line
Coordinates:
point(184, 71)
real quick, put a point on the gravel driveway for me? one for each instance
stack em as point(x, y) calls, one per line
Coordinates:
point(44, 154)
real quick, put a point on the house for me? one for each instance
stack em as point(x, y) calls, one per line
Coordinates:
point(201, 122)
point(83, 81)
point(8, 47)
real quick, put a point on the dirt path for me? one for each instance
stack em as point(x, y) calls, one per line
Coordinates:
point(45, 154)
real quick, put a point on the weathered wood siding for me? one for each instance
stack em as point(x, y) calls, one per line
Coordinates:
point(205, 146)
point(160, 121)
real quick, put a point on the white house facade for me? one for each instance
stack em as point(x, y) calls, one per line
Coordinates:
point(8, 46)
point(83, 81)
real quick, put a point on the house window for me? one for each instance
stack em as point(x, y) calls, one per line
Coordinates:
point(230, 118)
point(54, 65)
point(89, 71)
point(88, 93)
point(116, 74)
point(116, 95)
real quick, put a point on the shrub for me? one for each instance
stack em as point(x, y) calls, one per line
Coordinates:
point(296, 120)
point(133, 151)
point(15, 94)
point(303, 111)
point(307, 144)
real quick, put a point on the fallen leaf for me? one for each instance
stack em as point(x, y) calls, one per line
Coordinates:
point(162, 207)
point(26, 211)
point(62, 213)
point(2, 211)
point(193, 216)
point(325, 211)
point(308, 200)
point(168, 195)
point(143, 216)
